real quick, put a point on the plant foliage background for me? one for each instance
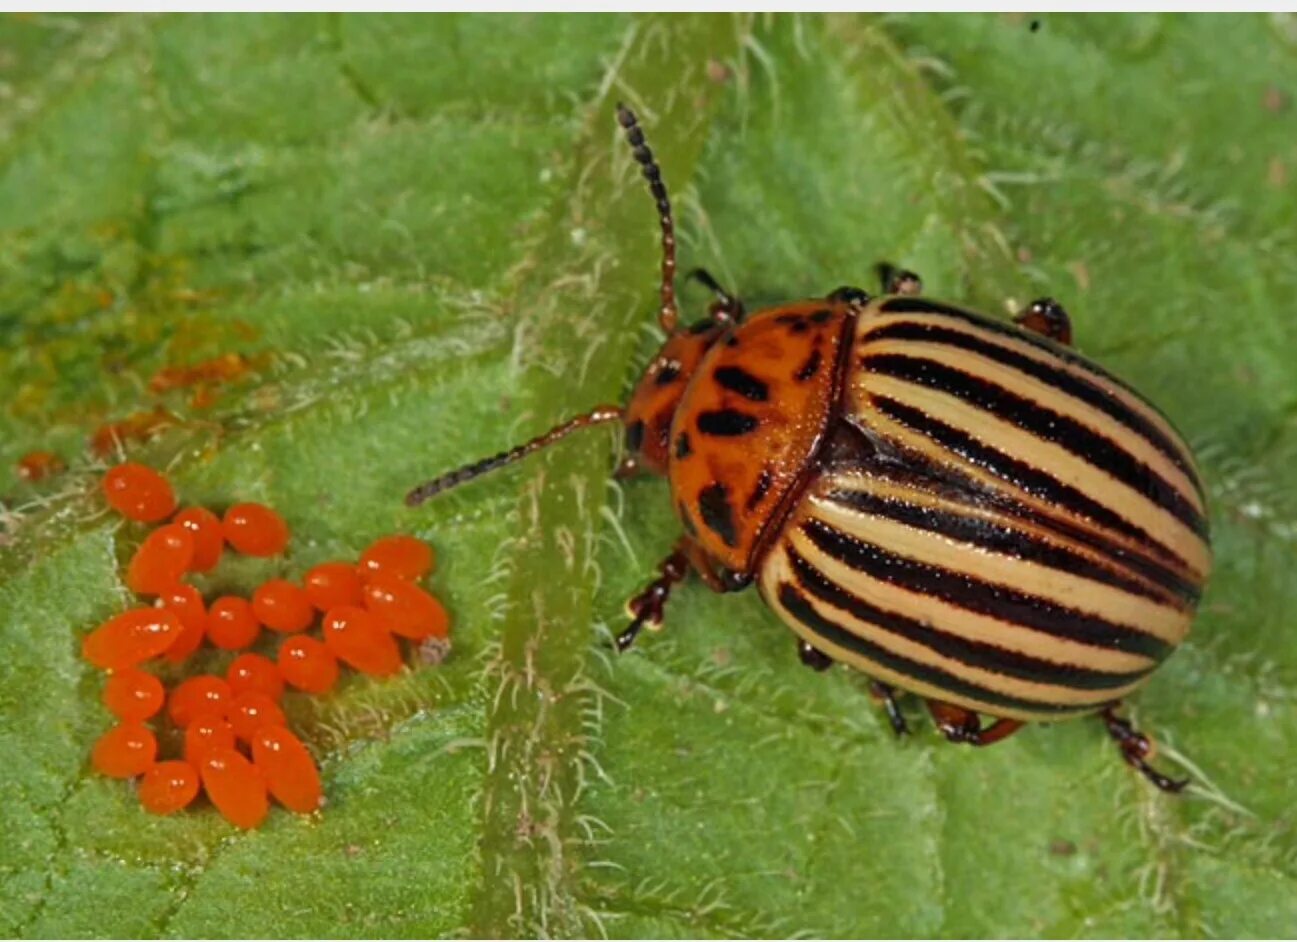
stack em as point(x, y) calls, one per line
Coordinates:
point(428, 236)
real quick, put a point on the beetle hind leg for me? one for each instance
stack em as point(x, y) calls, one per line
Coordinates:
point(1137, 749)
point(1046, 317)
point(964, 726)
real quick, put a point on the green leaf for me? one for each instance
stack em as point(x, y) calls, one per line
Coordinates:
point(428, 237)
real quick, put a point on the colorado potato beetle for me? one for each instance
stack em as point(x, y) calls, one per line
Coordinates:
point(961, 508)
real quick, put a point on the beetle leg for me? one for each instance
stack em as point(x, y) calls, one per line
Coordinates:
point(1046, 317)
point(813, 657)
point(1136, 748)
point(725, 309)
point(897, 280)
point(886, 694)
point(964, 726)
point(648, 608)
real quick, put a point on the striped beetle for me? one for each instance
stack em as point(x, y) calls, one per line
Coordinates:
point(958, 507)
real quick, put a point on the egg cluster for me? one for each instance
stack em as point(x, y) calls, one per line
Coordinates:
point(237, 747)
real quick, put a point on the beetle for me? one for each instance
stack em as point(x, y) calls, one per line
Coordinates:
point(959, 507)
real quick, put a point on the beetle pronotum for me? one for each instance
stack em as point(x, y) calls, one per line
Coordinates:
point(960, 508)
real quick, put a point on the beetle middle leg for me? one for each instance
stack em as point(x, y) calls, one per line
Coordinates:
point(1046, 317)
point(725, 307)
point(960, 725)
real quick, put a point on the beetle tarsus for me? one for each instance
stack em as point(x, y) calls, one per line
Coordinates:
point(886, 695)
point(725, 309)
point(898, 280)
point(813, 657)
point(1046, 317)
point(1136, 749)
point(648, 608)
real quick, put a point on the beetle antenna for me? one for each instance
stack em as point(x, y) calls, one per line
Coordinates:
point(429, 489)
point(669, 313)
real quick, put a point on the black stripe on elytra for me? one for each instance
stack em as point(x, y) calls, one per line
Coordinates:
point(912, 305)
point(996, 538)
point(736, 379)
point(986, 598)
point(799, 607)
point(809, 368)
point(717, 512)
point(726, 423)
point(1043, 423)
point(1070, 383)
point(979, 654)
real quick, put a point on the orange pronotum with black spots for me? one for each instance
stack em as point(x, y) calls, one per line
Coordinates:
point(961, 508)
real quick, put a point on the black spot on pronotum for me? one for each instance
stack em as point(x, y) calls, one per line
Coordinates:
point(635, 435)
point(764, 480)
point(667, 375)
point(736, 379)
point(809, 368)
point(683, 448)
point(717, 513)
point(731, 341)
point(727, 423)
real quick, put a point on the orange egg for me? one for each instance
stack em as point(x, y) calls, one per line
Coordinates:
point(355, 637)
point(133, 695)
point(208, 729)
point(198, 695)
point(235, 787)
point(131, 637)
point(138, 492)
point(280, 605)
point(405, 609)
point(187, 603)
point(161, 560)
point(307, 664)
point(288, 768)
point(231, 624)
point(209, 539)
point(252, 710)
point(255, 672)
point(125, 751)
point(168, 787)
point(255, 530)
point(402, 556)
point(329, 585)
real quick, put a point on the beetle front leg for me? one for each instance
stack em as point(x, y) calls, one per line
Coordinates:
point(1046, 317)
point(648, 608)
point(964, 726)
point(1136, 749)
